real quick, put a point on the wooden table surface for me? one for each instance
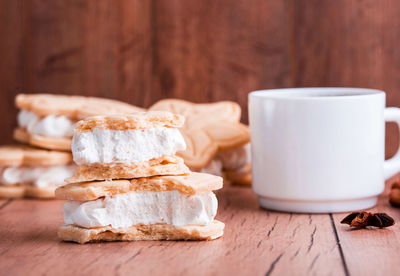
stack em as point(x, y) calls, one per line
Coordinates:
point(256, 242)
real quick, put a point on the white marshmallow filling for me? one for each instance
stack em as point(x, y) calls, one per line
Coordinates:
point(51, 125)
point(233, 159)
point(125, 210)
point(36, 176)
point(125, 146)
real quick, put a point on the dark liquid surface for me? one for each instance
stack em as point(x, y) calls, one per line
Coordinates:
point(332, 95)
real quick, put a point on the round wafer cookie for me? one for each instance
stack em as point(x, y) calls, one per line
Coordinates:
point(137, 120)
point(241, 176)
point(20, 155)
point(142, 232)
point(165, 165)
point(74, 107)
point(19, 191)
point(45, 142)
point(190, 184)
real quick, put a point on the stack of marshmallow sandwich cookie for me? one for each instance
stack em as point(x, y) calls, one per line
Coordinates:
point(130, 185)
point(217, 142)
point(30, 172)
point(46, 121)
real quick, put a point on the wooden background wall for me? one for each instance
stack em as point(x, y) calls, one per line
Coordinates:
point(141, 51)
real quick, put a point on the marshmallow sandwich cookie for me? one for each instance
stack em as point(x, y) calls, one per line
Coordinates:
point(128, 146)
point(180, 207)
point(129, 184)
point(29, 172)
point(216, 141)
point(233, 164)
point(48, 121)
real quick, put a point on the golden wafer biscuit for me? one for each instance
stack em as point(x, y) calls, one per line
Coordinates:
point(45, 142)
point(394, 194)
point(228, 136)
point(225, 110)
point(142, 232)
point(200, 148)
point(138, 120)
point(241, 176)
point(12, 191)
point(189, 184)
point(74, 107)
point(208, 128)
point(166, 165)
point(19, 155)
point(19, 191)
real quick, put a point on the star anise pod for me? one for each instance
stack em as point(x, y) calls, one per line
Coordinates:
point(381, 220)
point(364, 219)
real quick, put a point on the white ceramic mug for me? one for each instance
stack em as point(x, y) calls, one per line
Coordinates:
point(320, 150)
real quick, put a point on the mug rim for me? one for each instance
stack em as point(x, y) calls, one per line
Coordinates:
point(298, 93)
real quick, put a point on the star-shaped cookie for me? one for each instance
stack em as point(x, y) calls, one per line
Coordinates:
point(208, 128)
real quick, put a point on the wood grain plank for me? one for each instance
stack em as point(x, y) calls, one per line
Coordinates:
point(4, 203)
point(101, 46)
point(96, 48)
point(118, 49)
point(11, 44)
point(372, 251)
point(256, 242)
point(209, 51)
point(134, 52)
point(53, 54)
point(348, 43)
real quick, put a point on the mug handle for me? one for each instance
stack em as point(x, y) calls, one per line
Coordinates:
point(392, 165)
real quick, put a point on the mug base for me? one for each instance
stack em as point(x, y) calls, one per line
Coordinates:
point(336, 206)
